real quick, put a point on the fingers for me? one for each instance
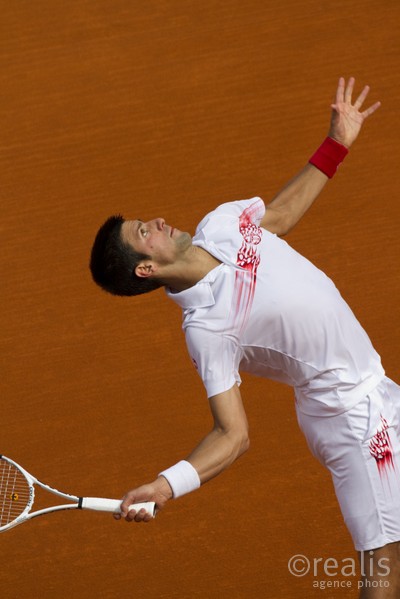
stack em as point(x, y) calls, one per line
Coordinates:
point(349, 90)
point(131, 499)
point(371, 109)
point(344, 92)
point(360, 100)
point(132, 515)
point(344, 95)
point(140, 516)
point(127, 501)
point(340, 91)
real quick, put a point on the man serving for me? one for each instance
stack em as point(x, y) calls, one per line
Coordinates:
point(252, 303)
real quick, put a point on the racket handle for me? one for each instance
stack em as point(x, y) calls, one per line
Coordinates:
point(113, 505)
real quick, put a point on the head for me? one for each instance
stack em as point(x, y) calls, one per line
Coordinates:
point(113, 262)
point(130, 257)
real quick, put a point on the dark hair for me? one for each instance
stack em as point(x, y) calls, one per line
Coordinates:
point(113, 262)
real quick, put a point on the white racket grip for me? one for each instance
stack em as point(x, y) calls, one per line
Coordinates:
point(114, 505)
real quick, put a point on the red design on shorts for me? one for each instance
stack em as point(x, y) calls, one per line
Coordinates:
point(248, 259)
point(380, 448)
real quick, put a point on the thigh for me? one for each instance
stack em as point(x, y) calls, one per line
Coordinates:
point(380, 572)
point(361, 448)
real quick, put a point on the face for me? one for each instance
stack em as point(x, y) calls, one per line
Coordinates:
point(163, 243)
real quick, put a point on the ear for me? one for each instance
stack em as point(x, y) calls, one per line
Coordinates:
point(145, 270)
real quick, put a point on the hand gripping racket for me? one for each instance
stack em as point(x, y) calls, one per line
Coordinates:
point(17, 494)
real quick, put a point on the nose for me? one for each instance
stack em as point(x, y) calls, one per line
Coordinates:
point(159, 223)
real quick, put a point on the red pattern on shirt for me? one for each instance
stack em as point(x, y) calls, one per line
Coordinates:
point(248, 258)
point(380, 448)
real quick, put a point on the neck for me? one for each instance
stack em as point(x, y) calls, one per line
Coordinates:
point(192, 270)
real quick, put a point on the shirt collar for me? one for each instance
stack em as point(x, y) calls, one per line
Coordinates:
point(198, 296)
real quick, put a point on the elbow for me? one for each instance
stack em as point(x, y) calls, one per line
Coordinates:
point(245, 445)
point(236, 442)
point(277, 221)
point(285, 225)
point(242, 443)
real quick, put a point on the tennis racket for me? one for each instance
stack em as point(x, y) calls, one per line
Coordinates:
point(17, 494)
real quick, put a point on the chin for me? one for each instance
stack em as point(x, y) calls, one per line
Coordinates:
point(184, 239)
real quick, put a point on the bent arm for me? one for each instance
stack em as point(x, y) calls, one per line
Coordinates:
point(227, 440)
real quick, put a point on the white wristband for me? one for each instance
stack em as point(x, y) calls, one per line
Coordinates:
point(182, 478)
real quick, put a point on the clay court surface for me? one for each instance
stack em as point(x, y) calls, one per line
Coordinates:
point(168, 108)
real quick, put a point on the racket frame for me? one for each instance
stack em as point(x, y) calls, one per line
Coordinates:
point(91, 503)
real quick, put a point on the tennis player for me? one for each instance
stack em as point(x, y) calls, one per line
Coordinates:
point(252, 303)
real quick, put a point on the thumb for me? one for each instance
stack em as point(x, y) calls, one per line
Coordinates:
point(127, 501)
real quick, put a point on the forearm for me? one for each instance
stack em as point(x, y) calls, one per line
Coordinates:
point(293, 201)
point(216, 452)
point(290, 204)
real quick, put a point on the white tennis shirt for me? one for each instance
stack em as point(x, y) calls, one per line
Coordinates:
point(268, 311)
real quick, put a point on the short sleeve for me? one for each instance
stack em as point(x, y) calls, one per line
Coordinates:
point(254, 208)
point(216, 358)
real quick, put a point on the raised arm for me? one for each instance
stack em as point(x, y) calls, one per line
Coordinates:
point(291, 203)
point(227, 441)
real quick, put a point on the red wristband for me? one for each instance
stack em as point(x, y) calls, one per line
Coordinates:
point(328, 156)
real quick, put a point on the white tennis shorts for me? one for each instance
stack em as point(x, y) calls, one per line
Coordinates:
point(361, 448)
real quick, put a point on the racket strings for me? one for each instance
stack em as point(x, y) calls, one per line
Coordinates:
point(14, 492)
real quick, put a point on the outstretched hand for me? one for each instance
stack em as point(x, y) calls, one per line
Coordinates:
point(347, 120)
